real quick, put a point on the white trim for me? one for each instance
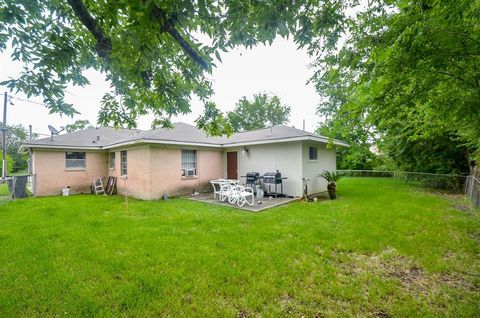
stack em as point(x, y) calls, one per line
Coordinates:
point(110, 160)
point(122, 163)
point(75, 169)
point(26, 146)
point(309, 160)
point(195, 144)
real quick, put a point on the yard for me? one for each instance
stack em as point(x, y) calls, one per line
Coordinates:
point(373, 252)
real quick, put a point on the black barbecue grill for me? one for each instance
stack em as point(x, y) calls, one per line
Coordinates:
point(271, 180)
point(253, 178)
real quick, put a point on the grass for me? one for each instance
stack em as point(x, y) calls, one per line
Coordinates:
point(4, 194)
point(373, 252)
point(4, 189)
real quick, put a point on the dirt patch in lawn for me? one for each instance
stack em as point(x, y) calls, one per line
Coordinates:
point(462, 208)
point(391, 265)
point(474, 235)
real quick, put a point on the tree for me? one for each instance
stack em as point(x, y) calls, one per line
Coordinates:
point(154, 53)
point(435, 154)
point(263, 111)
point(409, 72)
point(78, 125)
point(358, 155)
point(16, 135)
point(10, 165)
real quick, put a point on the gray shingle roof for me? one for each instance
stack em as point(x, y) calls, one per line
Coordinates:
point(272, 133)
point(181, 133)
point(86, 137)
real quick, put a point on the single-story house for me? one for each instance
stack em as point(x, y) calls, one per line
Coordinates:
point(178, 160)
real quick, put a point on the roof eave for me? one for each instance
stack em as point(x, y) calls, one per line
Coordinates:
point(285, 139)
point(25, 147)
point(325, 140)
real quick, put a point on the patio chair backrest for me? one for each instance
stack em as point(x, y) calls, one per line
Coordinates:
point(219, 186)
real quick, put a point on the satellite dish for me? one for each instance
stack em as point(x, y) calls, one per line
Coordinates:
point(54, 131)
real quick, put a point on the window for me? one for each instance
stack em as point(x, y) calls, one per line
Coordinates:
point(312, 153)
point(123, 162)
point(189, 163)
point(75, 160)
point(112, 160)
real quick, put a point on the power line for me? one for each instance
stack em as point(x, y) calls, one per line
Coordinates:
point(10, 97)
point(27, 101)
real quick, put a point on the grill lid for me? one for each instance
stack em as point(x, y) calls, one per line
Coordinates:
point(252, 176)
point(270, 177)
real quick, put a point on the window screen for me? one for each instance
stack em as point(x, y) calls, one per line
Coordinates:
point(312, 153)
point(75, 160)
point(123, 162)
point(189, 162)
point(112, 160)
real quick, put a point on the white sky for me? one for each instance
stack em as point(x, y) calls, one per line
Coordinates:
point(279, 69)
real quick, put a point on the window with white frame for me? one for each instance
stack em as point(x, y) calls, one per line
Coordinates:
point(312, 153)
point(123, 163)
point(189, 163)
point(75, 160)
point(112, 161)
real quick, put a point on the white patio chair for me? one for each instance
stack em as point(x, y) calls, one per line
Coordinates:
point(217, 186)
point(222, 188)
point(240, 195)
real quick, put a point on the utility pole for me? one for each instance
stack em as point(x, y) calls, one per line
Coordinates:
point(30, 165)
point(4, 137)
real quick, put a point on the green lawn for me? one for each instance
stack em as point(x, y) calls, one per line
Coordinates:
point(373, 252)
point(4, 190)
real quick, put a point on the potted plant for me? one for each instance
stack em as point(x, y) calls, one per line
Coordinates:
point(332, 177)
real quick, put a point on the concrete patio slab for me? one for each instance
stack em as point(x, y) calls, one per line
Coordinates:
point(259, 205)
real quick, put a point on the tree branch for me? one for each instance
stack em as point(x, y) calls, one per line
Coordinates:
point(103, 46)
point(451, 75)
point(167, 26)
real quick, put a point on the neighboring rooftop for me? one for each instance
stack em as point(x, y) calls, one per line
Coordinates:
point(181, 133)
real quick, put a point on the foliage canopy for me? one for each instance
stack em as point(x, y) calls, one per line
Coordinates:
point(16, 135)
point(78, 125)
point(408, 75)
point(154, 53)
point(263, 111)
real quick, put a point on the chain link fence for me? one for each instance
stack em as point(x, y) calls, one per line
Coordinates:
point(472, 189)
point(5, 194)
point(452, 183)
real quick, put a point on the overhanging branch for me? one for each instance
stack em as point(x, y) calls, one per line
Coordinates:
point(168, 26)
point(103, 46)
